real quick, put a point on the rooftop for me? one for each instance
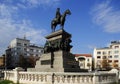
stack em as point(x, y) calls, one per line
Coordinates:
point(115, 42)
point(86, 55)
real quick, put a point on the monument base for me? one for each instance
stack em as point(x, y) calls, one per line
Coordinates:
point(62, 62)
point(57, 56)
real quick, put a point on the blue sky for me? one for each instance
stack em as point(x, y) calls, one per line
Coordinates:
point(93, 23)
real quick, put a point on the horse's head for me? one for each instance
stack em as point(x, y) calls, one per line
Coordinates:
point(68, 12)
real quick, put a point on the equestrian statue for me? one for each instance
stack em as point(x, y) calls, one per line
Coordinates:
point(59, 19)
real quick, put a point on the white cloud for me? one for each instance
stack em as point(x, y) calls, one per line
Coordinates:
point(11, 27)
point(91, 46)
point(6, 11)
point(107, 17)
point(34, 3)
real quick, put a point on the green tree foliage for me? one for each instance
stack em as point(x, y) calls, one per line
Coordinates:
point(6, 82)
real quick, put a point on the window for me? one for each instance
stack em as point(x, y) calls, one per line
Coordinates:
point(98, 57)
point(88, 60)
point(18, 44)
point(31, 54)
point(116, 51)
point(104, 53)
point(25, 49)
point(116, 47)
point(109, 56)
point(25, 44)
point(104, 57)
point(31, 50)
point(109, 52)
point(28, 54)
point(98, 52)
point(116, 56)
point(40, 50)
point(25, 54)
point(109, 61)
point(18, 49)
point(115, 60)
point(37, 50)
point(15, 53)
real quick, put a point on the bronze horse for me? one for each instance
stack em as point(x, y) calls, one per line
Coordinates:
point(60, 20)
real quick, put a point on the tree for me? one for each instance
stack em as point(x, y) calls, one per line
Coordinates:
point(8, 59)
point(22, 62)
point(32, 60)
point(105, 64)
point(27, 62)
point(115, 65)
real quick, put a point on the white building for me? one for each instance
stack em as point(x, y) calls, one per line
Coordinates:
point(23, 47)
point(111, 54)
point(85, 61)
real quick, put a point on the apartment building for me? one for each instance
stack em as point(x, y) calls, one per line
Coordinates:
point(109, 55)
point(21, 46)
point(85, 61)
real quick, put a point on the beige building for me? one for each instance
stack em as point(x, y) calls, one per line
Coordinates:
point(85, 61)
point(111, 54)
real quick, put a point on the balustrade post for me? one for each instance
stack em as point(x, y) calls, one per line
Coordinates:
point(36, 77)
point(117, 77)
point(16, 74)
point(60, 78)
point(85, 79)
point(71, 79)
point(75, 79)
point(90, 79)
point(66, 81)
point(80, 79)
point(5, 75)
point(50, 78)
point(95, 78)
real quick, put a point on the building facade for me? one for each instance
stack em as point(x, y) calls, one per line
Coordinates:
point(108, 56)
point(23, 47)
point(2, 61)
point(85, 61)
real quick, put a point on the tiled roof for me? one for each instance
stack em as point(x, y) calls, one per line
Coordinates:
point(86, 55)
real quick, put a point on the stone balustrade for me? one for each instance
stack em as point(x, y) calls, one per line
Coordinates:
point(84, 78)
point(35, 77)
point(59, 77)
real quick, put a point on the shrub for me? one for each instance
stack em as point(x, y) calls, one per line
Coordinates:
point(6, 82)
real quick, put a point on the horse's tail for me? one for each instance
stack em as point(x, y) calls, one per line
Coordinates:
point(52, 24)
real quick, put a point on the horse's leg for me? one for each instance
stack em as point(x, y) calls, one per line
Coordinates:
point(62, 25)
point(52, 27)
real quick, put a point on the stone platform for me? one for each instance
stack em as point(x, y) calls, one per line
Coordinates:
point(57, 56)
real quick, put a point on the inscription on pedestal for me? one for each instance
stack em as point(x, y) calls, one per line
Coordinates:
point(45, 62)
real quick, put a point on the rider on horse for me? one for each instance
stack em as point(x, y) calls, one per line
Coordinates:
point(59, 19)
point(58, 15)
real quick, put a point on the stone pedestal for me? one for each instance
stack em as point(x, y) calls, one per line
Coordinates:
point(57, 56)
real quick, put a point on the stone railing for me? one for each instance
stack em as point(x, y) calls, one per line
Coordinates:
point(60, 78)
point(84, 78)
